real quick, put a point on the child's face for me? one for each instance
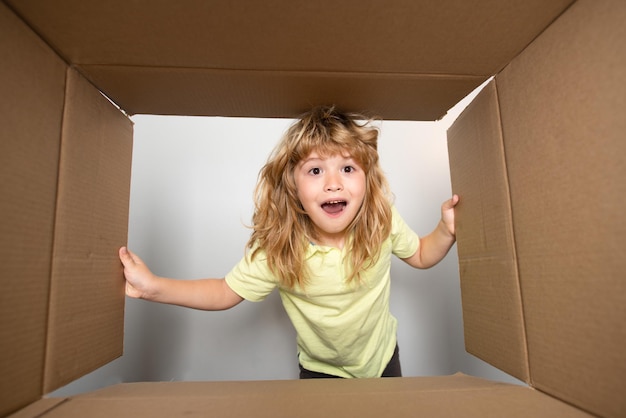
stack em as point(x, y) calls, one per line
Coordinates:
point(331, 191)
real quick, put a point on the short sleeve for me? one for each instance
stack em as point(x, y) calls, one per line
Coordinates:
point(252, 279)
point(405, 241)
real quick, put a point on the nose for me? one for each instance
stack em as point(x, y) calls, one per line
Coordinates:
point(333, 183)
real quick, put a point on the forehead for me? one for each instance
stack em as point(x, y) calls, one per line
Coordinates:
point(321, 156)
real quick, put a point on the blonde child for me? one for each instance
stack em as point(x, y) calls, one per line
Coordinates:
point(324, 230)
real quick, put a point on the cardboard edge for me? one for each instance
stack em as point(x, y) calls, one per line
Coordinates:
point(511, 227)
point(39, 408)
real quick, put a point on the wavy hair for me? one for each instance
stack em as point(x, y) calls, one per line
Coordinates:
point(281, 227)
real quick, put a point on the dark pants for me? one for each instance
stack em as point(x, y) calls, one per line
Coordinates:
point(392, 370)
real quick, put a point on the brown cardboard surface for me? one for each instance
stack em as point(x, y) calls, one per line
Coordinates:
point(86, 303)
point(39, 408)
point(277, 94)
point(33, 82)
point(492, 307)
point(306, 44)
point(562, 107)
point(442, 396)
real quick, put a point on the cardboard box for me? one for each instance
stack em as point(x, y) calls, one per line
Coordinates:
point(538, 159)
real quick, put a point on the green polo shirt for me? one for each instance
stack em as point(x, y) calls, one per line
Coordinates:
point(344, 329)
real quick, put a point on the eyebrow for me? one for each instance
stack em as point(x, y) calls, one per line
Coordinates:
point(309, 159)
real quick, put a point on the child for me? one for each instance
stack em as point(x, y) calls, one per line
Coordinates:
point(324, 229)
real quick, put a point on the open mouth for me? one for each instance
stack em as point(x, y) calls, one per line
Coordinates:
point(334, 206)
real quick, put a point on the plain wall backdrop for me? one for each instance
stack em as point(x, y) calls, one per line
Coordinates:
point(191, 202)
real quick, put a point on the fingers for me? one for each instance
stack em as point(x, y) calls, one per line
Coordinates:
point(452, 202)
point(447, 213)
point(126, 256)
point(132, 270)
point(131, 291)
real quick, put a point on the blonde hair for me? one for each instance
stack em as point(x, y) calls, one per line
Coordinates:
point(281, 227)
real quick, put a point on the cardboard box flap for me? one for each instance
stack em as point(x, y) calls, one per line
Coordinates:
point(66, 157)
point(29, 158)
point(548, 262)
point(441, 396)
point(492, 304)
point(563, 220)
point(289, 41)
point(272, 94)
point(565, 151)
point(86, 320)
point(39, 409)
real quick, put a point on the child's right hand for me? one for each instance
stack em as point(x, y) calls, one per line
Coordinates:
point(205, 294)
point(138, 276)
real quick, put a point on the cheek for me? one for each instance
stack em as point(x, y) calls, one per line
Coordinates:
point(306, 200)
point(297, 185)
point(302, 192)
point(360, 186)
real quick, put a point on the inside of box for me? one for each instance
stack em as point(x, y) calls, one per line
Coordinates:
point(550, 268)
point(413, 61)
point(462, 395)
point(66, 161)
point(545, 181)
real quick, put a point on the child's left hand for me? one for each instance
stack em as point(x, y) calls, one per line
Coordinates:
point(447, 213)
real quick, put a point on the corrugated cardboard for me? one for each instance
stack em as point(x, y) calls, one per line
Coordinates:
point(493, 320)
point(537, 159)
point(548, 178)
point(412, 60)
point(564, 129)
point(33, 83)
point(450, 396)
point(66, 156)
point(279, 93)
point(85, 333)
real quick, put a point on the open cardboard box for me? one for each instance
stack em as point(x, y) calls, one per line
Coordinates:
point(539, 158)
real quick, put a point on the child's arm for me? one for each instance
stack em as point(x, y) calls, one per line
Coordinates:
point(434, 246)
point(206, 294)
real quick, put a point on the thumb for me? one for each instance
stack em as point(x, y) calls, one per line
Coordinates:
point(453, 201)
point(127, 257)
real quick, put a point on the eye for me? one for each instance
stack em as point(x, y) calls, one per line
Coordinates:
point(348, 169)
point(315, 171)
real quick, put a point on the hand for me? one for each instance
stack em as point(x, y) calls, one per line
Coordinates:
point(447, 213)
point(138, 275)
